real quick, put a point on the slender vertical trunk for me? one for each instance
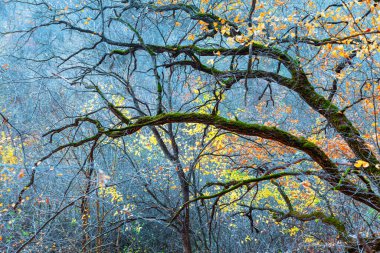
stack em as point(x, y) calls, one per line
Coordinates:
point(118, 240)
point(99, 218)
point(85, 205)
point(85, 213)
point(185, 218)
point(186, 239)
point(186, 226)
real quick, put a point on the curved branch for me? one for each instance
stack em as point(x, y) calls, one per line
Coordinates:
point(271, 133)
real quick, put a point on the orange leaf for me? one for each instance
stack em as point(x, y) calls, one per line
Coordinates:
point(21, 174)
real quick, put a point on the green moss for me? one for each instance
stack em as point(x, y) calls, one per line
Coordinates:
point(119, 51)
point(309, 145)
point(336, 223)
point(159, 87)
point(330, 220)
point(344, 129)
point(327, 105)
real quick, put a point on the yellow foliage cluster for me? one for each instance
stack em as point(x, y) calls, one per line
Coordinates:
point(7, 151)
point(111, 192)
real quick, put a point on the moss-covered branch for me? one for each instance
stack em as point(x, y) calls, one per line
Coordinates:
point(299, 83)
point(271, 133)
point(330, 220)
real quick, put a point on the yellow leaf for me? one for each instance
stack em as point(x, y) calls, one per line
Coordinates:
point(343, 54)
point(204, 25)
point(240, 38)
point(237, 19)
point(293, 231)
point(225, 30)
point(191, 37)
point(309, 239)
point(334, 54)
point(178, 24)
point(153, 140)
point(361, 163)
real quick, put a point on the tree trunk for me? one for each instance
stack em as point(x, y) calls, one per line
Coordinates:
point(186, 232)
point(186, 239)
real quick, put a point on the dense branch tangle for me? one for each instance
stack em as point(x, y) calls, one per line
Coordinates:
point(331, 174)
point(193, 56)
point(297, 82)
